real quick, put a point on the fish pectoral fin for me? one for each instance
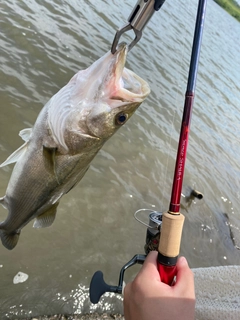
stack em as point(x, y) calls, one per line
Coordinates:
point(25, 134)
point(3, 202)
point(16, 155)
point(46, 219)
point(9, 240)
point(49, 155)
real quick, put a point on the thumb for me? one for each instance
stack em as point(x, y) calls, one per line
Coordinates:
point(185, 279)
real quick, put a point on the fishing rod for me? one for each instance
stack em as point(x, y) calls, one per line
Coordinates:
point(164, 231)
point(172, 221)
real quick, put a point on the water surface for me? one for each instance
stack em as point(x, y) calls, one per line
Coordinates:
point(42, 44)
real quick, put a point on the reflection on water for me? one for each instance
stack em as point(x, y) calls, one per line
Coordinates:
point(42, 45)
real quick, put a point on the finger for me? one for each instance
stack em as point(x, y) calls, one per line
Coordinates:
point(126, 290)
point(149, 268)
point(185, 279)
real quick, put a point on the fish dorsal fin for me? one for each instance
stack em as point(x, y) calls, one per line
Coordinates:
point(46, 219)
point(16, 155)
point(25, 134)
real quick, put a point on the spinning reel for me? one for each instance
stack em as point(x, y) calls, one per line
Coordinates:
point(98, 286)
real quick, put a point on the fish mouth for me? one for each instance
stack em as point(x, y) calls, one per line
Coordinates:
point(126, 85)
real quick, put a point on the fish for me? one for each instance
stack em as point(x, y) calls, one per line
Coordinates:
point(68, 133)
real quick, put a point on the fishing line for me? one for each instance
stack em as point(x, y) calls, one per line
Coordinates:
point(176, 102)
point(141, 221)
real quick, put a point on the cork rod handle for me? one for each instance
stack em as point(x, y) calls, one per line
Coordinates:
point(169, 245)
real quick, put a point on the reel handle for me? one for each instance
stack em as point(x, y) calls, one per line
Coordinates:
point(98, 287)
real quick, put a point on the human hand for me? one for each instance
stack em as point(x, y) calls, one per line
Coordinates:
point(147, 298)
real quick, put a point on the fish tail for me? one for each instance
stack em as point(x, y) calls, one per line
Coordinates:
point(9, 240)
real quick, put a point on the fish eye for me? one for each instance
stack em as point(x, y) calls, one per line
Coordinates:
point(121, 118)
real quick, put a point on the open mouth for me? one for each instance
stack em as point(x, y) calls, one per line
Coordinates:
point(133, 83)
point(129, 86)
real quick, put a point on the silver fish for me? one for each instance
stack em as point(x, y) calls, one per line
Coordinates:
point(69, 131)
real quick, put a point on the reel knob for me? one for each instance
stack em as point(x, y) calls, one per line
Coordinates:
point(98, 287)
